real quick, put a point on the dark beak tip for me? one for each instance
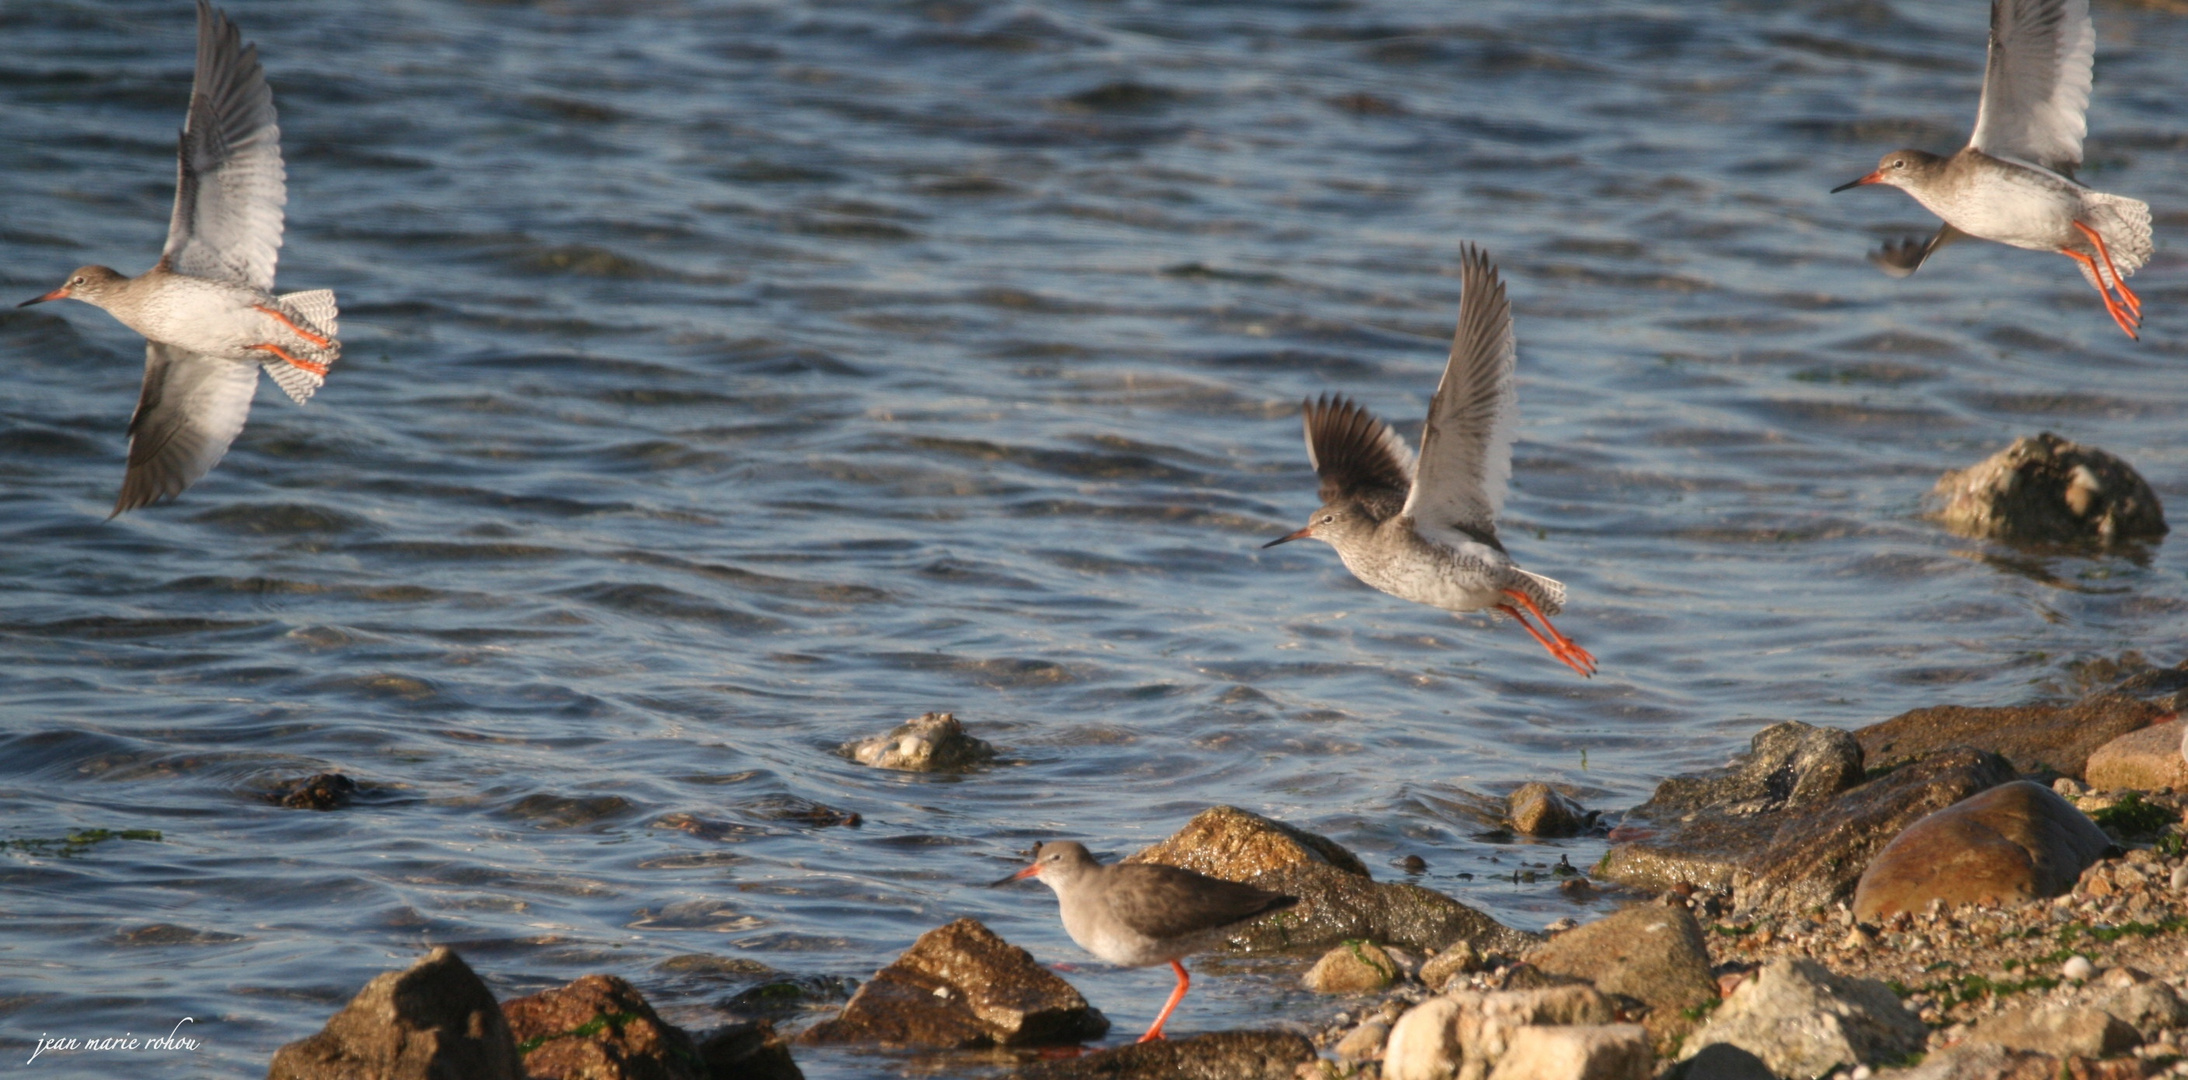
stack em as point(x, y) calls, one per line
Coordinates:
point(1286, 539)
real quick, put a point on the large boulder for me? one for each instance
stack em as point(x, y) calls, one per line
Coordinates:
point(958, 987)
point(2044, 489)
point(1584, 1052)
point(1803, 1021)
point(2011, 843)
point(599, 1028)
point(2058, 1030)
point(1654, 953)
point(2146, 760)
point(1468, 1032)
point(2035, 738)
point(431, 1021)
point(1337, 899)
point(934, 742)
point(1703, 830)
point(1218, 1055)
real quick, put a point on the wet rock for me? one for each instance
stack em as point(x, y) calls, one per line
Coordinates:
point(2058, 1031)
point(599, 1028)
point(1537, 809)
point(960, 986)
point(2044, 489)
point(1652, 952)
point(1815, 859)
point(1706, 828)
point(2141, 1002)
point(1353, 967)
point(1337, 899)
point(935, 742)
point(1803, 1021)
point(1585, 1052)
point(2146, 760)
point(1788, 765)
point(2036, 738)
point(1460, 959)
point(1218, 1055)
point(748, 1051)
point(326, 791)
point(434, 1019)
point(2014, 842)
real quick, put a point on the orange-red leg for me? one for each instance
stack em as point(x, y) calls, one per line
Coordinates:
point(2120, 315)
point(284, 320)
point(1170, 1006)
point(1565, 649)
point(303, 365)
point(2119, 280)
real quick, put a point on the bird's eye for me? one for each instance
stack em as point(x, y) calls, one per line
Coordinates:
point(78, 280)
point(1900, 164)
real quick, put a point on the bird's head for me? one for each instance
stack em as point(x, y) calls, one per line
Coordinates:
point(1054, 863)
point(1334, 524)
point(1898, 169)
point(90, 284)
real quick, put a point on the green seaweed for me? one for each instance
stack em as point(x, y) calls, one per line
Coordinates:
point(1950, 992)
point(2070, 931)
point(586, 1030)
point(2133, 816)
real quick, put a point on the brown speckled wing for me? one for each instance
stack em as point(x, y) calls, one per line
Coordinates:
point(1356, 455)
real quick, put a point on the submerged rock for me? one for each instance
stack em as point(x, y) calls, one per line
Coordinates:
point(2044, 489)
point(958, 987)
point(325, 791)
point(1804, 1021)
point(1217, 1055)
point(935, 742)
point(748, 1051)
point(431, 1020)
point(2014, 842)
point(1651, 952)
point(1537, 809)
point(1338, 901)
point(2146, 760)
point(2035, 738)
point(599, 1028)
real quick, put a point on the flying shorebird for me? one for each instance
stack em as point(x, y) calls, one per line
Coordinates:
point(206, 310)
point(1143, 914)
point(2014, 181)
point(1428, 532)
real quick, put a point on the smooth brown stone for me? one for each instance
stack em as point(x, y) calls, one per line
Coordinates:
point(1537, 809)
point(2033, 737)
point(1652, 952)
point(2015, 842)
point(2146, 760)
point(960, 987)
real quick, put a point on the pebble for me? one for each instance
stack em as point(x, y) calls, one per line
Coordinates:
point(2179, 879)
point(2078, 968)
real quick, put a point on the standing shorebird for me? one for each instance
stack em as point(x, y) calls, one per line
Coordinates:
point(1427, 532)
point(206, 309)
point(1143, 914)
point(2014, 181)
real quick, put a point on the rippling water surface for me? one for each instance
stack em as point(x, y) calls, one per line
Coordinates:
point(725, 382)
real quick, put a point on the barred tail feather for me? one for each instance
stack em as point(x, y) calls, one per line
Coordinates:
point(1547, 593)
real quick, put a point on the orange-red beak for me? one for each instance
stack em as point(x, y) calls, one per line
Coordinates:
point(57, 294)
point(1302, 534)
point(1019, 876)
point(1873, 178)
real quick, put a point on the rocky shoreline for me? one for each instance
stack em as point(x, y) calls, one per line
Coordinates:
point(1952, 893)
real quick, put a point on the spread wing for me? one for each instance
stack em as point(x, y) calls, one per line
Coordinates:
point(1170, 902)
point(229, 183)
point(190, 409)
point(1899, 258)
point(1357, 455)
point(1466, 447)
point(2036, 87)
